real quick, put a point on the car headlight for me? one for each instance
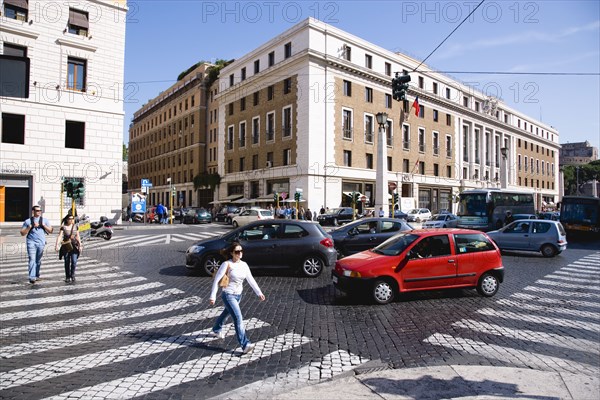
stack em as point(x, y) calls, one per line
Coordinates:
point(195, 249)
point(351, 274)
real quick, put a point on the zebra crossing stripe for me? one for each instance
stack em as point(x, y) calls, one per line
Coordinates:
point(38, 346)
point(100, 318)
point(546, 300)
point(570, 272)
point(189, 371)
point(83, 274)
point(537, 319)
point(510, 355)
point(558, 310)
point(54, 264)
point(585, 264)
point(555, 292)
point(329, 366)
point(536, 337)
point(79, 296)
point(94, 285)
point(581, 270)
point(567, 285)
point(75, 308)
point(573, 279)
point(54, 369)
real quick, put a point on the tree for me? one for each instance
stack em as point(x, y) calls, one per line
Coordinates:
point(580, 174)
point(125, 152)
point(212, 73)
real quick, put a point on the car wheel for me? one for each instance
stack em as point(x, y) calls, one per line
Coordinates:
point(106, 235)
point(548, 250)
point(235, 224)
point(488, 285)
point(312, 266)
point(211, 264)
point(383, 292)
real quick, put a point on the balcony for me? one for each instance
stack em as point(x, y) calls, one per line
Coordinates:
point(347, 133)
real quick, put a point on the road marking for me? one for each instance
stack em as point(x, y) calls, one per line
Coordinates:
point(563, 302)
point(594, 280)
point(76, 308)
point(537, 319)
point(549, 309)
point(561, 293)
point(567, 285)
point(37, 346)
point(189, 371)
point(65, 288)
point(100, 318)
point(84, 274)
point(79, 296)
point(567, 271)
point(54, 369)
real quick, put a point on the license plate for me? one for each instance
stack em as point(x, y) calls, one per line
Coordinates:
point(334, 279)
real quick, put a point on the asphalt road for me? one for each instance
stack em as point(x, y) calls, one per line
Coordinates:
point(135, 324)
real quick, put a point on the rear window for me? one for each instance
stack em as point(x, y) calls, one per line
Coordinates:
point(387, 226)
point(291, 231)
point(561, 229)
point(266, 213)
point(540, 227)
point(472, 243)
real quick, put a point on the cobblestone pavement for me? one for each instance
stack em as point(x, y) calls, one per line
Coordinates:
point(136, 324)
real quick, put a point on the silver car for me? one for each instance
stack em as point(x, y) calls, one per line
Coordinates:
point(442, 221)
point(547, 237)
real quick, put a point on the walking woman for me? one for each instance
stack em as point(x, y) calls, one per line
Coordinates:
point(238, 271)
point(69, 231)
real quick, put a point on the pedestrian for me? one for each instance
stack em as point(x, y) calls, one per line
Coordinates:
point(509, 218)
point(308, 215)
point(381, 212)
point(69, 231)
point(238, 271)
point(322, 210)
point(36, 228)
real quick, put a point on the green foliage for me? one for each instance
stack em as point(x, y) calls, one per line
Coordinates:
point(212, 73)
point(190, 69)
point(580, 174)
point(125, 152)
point(207, 180)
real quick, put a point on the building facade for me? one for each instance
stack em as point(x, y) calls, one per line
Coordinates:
point(578, 153)
point(61, 102)
point(299, 114)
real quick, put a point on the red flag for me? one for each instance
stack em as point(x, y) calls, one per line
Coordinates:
point(416, 106)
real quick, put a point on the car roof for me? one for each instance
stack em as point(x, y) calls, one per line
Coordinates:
point(438, 231)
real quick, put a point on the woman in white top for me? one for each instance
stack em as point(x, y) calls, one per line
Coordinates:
point(231, 295)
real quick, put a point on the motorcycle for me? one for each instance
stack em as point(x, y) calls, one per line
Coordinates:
point(102, 228)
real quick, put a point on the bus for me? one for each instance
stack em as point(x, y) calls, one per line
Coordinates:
point(580, 214)
point(485, 209)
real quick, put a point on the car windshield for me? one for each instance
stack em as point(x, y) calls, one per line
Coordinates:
point(335, 211)
point(396, 244)
point(414, 211)
point(440, 218)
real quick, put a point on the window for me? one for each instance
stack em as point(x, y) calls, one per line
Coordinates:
point(369, 159)
point(255, 130)
point(436, 170)
point(13, 128)
point(16, 9)
point(270, 159)
point(421, 111)
point(347, 53)
point(287, 49)
point(287, 85)
point(448, 93)
point(369, 128)
point(389, 163)
point(74, 135)
point(243, 74)
point(449, 171)
point(78, 22)
point(421, 82)
point(448, 146)
point(435, 88)
point(388, 100)
point(270, 92)
point(472, 243)
point(405, 165)
point(14, 50)
point(242, 164)
point(436, 143)
point(242, 104)
point(421, 140)
point(76, 74)
point(231, 80)
point(15, 67)
point(271, 59)
point(422, 167)
point(270, 126)
point(466, 101)
point(256, 66)
point(406, 137)
point(347, 158)
point(388, 69)
point(230, 139)
point(287, 122)
point(347, 124)
point(287, 156)
point(230, 108)
point(256, 98)
point(368, 95)
point(389, 134)
point(347, 88)
point(448, 119)
point(435, 115)
point(369, 61)
point(242, 134)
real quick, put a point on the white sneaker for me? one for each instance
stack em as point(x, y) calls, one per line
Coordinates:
point(248, 348)
point(218, 335)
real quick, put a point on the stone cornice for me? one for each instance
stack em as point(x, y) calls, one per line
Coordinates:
point(17, 30)
point(78, 45)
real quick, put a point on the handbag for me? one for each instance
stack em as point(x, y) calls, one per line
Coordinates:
point(67, 245)
point(224, 282)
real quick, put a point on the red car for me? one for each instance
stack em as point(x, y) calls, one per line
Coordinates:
point(427, 259)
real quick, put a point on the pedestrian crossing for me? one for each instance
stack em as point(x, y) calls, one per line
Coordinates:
point(150, 239)
point(562, 312)
point(125, 336)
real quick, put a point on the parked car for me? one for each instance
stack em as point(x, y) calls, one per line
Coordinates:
point(179, 213)
point(365, 234)
point(552, 216)
point(235, 213)
point(523, 216)
point(399, 214)
point(445, 220)
point(336, 216)
point(253, 214)
point(419, 215)
point(221, 215)
point(272, 243)
point(429, 259)
point(197, 216)
point(545, 236)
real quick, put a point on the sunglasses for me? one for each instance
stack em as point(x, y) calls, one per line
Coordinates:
point(37, 210)
point(238, 251)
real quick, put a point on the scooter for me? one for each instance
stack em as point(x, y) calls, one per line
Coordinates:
point(102, 228)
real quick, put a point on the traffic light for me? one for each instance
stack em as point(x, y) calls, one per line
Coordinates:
point(78, 190)
point(275, 196)
point(68, 187)
point(400, 86)
point(395, 195)
point(297, 196)
point(355, 197)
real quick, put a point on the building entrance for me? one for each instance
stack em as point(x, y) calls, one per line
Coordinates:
point(16, 205)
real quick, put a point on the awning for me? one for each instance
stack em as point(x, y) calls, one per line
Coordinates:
point(291, 201)
point(242, 201)
point(78, 18)
point(265, 199)
point(349, 194)
point(230, 198)
point(17, 3)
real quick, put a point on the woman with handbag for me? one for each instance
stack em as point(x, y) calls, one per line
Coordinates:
point(230, 277)
point(68, 245)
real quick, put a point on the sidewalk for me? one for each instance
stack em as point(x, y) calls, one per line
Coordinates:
point(448, 382)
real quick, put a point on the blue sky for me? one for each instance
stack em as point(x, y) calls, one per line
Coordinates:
point(165, 37)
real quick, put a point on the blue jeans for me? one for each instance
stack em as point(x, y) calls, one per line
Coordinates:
point(35, 251)
point(70, 264)
point(232, 307)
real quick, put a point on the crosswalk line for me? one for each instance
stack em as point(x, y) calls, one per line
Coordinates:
point(54, 263)
point(101, 318)
point(553, 301)
point(581, 270)
point(38, 346)
point(28, 375)
point(573, 279)
point(76, 308)
point(83, 274)
point(554, 309)
point(538, 319)
point(79, 296)
point(536, 337)
point(567, 285)
point(570, 272)
point(509, 354)
point(563, 293)
point(65, 288)
point(586, 264)
point(189, 371)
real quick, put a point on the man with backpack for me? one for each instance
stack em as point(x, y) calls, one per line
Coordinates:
point(36, 228)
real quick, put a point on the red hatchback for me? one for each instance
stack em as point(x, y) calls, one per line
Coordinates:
point(426, 259)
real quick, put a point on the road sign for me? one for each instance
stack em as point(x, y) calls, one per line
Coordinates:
point(363, 198)
point(392, 185)
point(146, 183)
point(284, 195)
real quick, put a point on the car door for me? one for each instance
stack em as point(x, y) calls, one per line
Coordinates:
point(292, 245)
point(540, 234)
point(517, 236)
point(474, 255)
point(436, 269)
point(259, 242)
point(361, 237)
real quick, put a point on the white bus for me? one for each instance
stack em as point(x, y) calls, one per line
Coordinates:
point(485, 209)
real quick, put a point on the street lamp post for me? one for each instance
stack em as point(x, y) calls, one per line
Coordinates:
point(381, 192)
point(504, 168)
